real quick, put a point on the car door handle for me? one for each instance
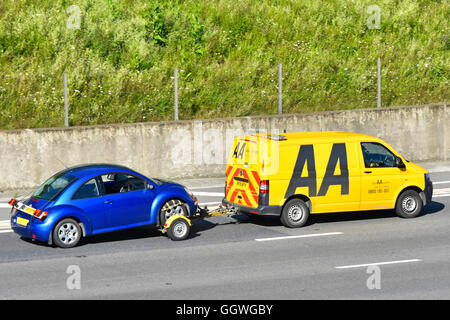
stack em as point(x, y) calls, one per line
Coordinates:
point(367, 171)
point(108, 201)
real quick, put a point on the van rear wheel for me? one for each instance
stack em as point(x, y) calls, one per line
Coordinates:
point(409, 204)
point(295, 214)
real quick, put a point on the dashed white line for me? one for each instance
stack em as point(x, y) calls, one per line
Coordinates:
point(441, 182)
point(207, 187)
point(377, 263)
point(209, 194)
point(300, 236)
point(209, 203)
point(441, 191)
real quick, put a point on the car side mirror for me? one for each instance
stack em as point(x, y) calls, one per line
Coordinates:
point(399, 163)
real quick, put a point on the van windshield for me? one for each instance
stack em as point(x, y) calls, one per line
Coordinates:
point(53, 186)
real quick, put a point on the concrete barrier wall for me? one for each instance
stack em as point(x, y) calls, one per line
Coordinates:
point(199, 148)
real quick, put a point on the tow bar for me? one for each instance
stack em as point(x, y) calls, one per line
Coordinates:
point(178, 227)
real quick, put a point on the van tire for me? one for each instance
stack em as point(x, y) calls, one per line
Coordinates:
point(409, 204)
point(295, 213)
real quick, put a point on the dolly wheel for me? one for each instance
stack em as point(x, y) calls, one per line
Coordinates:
point(179, 229)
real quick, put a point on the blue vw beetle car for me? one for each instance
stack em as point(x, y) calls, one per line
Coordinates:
point(96, 198)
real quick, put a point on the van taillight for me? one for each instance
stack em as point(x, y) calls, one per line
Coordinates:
point(264, 186)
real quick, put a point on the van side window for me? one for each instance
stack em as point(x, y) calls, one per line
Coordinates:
point(377, 155)
point(87, 190)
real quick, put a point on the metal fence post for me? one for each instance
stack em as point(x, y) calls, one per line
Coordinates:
point(280, 89)
point(378, 83)
point(66, 102)
point(175, 77)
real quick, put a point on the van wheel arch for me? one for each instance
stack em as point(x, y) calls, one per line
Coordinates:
point(414, 188)
point(409, 203)
point(301, 197)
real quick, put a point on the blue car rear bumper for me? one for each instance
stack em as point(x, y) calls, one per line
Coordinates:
point(34, 229)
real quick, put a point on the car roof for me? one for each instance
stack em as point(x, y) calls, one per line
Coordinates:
point(83, 170)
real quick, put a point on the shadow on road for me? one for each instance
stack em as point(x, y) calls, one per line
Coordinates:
point(269, 221)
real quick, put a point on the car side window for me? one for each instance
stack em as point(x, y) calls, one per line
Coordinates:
point(122, 182)
point(87, 190)
point(377, 155)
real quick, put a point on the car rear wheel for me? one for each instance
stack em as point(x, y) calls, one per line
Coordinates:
point(67, 233)
point(170, 208)
point(409, 204)
point(295, 213)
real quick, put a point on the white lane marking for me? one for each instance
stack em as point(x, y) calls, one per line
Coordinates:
point(441, 191)
point(300, 236)
point(206, 187)
point(441, 182)
point(5, 205)
point(209, 203)
point(441, 195)
point(377, 263)
point(210, 194)
point(5, 226)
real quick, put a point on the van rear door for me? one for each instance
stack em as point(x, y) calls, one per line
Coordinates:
point(243, 172)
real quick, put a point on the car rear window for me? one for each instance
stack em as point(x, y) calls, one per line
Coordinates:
point(54, 186)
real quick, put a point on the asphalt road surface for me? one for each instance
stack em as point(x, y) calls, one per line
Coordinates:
point(364, 255)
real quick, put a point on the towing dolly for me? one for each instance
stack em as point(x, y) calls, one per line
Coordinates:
point(177, 227)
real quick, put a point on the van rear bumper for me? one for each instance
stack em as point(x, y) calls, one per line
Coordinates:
point(261, 210)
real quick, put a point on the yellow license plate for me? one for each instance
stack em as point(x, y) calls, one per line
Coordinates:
point(29, 210)
point(22, 222)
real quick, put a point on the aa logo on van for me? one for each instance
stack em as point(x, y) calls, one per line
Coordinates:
point(306, 157)
point(239, 150)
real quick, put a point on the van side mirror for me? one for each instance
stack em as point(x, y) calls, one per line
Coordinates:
point(399, 163)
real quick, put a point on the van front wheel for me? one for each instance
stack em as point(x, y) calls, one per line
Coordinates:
point(295, 214)
point(409, 204)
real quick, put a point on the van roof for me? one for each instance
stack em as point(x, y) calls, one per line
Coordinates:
point(315, 136)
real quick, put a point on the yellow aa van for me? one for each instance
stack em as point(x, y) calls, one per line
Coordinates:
point(293, 175)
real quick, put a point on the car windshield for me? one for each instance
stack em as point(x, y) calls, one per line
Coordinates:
point(53, 186)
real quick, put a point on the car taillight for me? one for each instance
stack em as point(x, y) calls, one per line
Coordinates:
point(41, 215)
point(12, 202)
point(264, 186)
